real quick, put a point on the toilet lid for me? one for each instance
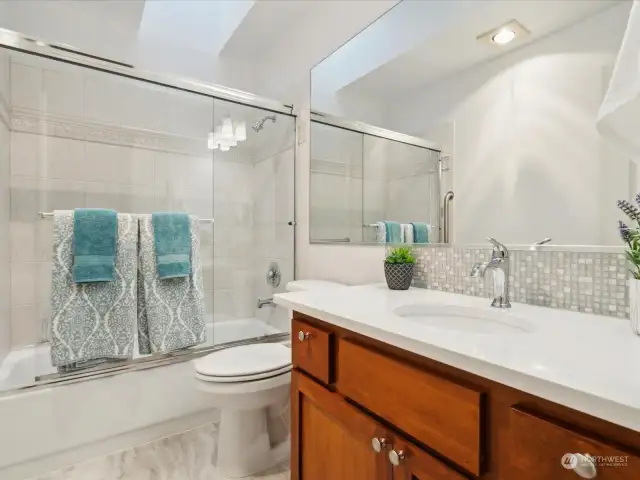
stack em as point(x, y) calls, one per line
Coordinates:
point(245, 361)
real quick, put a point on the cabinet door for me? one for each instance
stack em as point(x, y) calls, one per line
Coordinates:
point(331, 439)
point(411, 463)
point(542, 448)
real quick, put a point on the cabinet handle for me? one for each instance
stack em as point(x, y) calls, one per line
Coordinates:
point(378, 443)
point(584, 466)
point(396, 457)
point(302, 336)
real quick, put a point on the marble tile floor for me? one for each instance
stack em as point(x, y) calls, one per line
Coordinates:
point(184, 456)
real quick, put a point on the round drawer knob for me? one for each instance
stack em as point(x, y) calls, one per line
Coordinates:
point(302, 336)
point(396, 457)
point(585, 467)
point(378, 443)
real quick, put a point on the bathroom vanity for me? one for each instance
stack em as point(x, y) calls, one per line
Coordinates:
point(428, 385)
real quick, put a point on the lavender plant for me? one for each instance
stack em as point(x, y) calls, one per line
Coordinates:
point(631, 236)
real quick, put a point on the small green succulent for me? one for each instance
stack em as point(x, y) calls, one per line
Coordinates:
point(400, 255)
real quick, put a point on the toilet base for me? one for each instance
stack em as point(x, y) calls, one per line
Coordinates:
point(243, 444)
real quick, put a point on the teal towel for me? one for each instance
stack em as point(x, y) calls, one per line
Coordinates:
point(172, 239)
point(420, 232)
point(394, 232)
point(94, 245)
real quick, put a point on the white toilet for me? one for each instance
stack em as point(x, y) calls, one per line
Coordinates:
point(243, 382)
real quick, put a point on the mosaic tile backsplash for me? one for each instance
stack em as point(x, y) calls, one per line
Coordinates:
point(581, 281)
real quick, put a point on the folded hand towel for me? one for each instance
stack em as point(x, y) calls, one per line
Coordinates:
point(92, 321)
point(172, 239)
point(420, 232)
point(170, 311)
point(381, 232)
point(94, 245)
point(407, 231)
point(394, 232)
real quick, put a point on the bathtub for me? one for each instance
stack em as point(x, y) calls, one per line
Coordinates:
point(22, 365)
point(54, 426)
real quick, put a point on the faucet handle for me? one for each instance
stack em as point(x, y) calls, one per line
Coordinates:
point(498, 247)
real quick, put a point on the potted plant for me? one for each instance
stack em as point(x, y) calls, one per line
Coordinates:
point(631, 236)
point(398, 268)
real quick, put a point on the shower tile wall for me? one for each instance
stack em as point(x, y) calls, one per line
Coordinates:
point(87, 139)
point(5, 163)
point(232, 261)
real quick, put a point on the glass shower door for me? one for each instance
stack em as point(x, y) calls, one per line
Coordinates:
point(253, 176)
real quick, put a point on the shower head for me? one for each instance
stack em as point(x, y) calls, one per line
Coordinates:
point(259, 125)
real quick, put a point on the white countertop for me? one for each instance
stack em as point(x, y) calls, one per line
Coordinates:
point(587, 362)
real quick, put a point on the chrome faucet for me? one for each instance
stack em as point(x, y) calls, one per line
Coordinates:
point(499, 264)
point(265, 301)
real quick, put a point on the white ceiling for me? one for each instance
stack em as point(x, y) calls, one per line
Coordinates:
point(261, 46)
point(434, 39)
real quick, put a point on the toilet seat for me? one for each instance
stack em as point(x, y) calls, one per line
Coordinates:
point(245, 363)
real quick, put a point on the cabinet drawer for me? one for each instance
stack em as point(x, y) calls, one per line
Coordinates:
point(312, 350)
point(537, 447)
point(439, 413)
point(414, 464)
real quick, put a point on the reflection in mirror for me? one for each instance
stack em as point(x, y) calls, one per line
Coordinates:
point(359, 181)
point(514, 115)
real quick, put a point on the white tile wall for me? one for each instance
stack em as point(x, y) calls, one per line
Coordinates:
point(57, 169)
point(86, 139)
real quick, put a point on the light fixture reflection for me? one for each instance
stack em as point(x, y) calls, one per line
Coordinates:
point(227, 135)
point(227, 128)
point(241, 132)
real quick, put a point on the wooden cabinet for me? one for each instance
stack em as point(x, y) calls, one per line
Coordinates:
point(332, 439)
point(312, 349)
point(540, 447)
point(411, 463)
point(365, 410)
point(442, 414)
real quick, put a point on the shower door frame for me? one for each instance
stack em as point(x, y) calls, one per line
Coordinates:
point(18, 42)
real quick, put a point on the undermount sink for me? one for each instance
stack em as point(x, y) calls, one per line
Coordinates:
point(465, 319)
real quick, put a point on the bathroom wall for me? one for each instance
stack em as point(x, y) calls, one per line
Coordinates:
point(525, 138)
point(86, 139)
point(5, 167)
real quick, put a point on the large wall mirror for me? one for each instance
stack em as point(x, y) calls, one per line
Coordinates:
point(494, 101)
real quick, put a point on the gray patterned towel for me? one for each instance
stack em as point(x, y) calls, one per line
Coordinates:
point(92, 322)
point(170, 310)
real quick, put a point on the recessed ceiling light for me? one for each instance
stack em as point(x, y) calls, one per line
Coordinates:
point(503, 37)
point(504, 33)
